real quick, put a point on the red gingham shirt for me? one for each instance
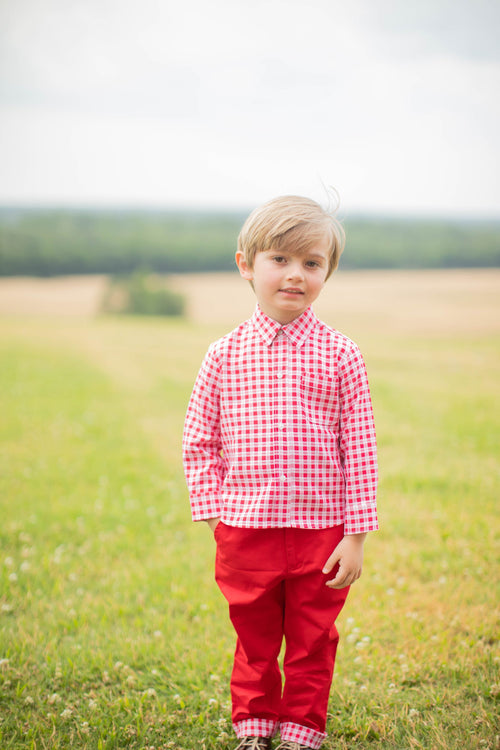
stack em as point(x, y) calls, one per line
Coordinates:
point(279, 430)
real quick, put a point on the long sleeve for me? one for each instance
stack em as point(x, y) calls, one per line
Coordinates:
point(358, 449)
point(203, 462)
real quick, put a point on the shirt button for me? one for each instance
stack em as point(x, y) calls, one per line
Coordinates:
point(279, 375)
point(283, 478)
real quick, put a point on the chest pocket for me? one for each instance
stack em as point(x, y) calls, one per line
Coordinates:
point(319, 400)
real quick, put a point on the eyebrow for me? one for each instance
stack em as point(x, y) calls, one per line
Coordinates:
point(317, 257)
point(301, 254)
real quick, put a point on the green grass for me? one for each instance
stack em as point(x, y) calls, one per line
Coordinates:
point(112, 631)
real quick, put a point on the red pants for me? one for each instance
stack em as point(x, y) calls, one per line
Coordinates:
point(273, 583)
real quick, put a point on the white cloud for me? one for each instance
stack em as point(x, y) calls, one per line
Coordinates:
point(229, 103)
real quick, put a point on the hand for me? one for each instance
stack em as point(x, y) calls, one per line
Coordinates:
point(349, 555)
point(212, 522)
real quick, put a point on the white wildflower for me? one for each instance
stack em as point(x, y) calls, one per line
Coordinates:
point(58, 554)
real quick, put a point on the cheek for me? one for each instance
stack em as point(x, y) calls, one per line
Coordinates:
point(316, 284)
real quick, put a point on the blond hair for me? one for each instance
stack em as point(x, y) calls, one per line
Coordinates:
point(293, 223)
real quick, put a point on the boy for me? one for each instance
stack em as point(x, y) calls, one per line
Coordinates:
point(280, 460)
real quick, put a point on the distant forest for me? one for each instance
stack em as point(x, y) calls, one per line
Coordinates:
point(53, 242)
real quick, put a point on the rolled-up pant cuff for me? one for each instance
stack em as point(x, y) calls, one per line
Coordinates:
point(256, 728)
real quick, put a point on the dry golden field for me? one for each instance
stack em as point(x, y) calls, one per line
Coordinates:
point(426, 302)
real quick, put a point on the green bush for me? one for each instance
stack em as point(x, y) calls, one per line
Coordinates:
point(142, 294)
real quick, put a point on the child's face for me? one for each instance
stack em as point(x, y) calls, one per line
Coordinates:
point(286, 283)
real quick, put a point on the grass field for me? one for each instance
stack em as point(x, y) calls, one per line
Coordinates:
point(112, 631)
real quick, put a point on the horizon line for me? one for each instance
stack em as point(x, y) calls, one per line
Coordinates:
point(151, 207)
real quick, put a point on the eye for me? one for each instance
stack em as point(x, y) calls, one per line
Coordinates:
point(312, 264)
point(279, 258)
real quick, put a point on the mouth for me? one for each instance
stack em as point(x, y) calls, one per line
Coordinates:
point(291, 290)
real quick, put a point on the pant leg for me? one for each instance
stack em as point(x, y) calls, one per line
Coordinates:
point(311, 609)
point(249, 572)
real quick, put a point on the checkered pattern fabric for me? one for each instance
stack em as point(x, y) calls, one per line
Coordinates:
point(279, 430)
point(256, 728)
point(297, 735)
point(292, 733)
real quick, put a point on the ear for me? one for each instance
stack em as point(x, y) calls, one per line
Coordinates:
point(245, 271)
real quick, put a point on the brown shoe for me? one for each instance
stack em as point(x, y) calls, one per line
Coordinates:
point(289, 745)
point(254, 743)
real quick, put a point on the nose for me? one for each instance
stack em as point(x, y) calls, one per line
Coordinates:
point(294, 270)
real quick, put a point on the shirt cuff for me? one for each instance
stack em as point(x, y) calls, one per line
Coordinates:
point(204, 508)
point(361, 521)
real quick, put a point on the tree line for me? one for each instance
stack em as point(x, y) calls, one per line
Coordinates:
point(51, 242)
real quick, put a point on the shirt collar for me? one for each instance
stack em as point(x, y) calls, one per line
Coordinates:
point(297, 331)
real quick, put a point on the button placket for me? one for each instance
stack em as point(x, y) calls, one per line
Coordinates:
point(292, 354)
point(282, 378)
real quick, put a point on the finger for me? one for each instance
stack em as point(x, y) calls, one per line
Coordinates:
point(342, 579)
point(339, 581)
point(331, 562)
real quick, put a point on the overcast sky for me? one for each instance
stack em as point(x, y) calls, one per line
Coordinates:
point(227, 103)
